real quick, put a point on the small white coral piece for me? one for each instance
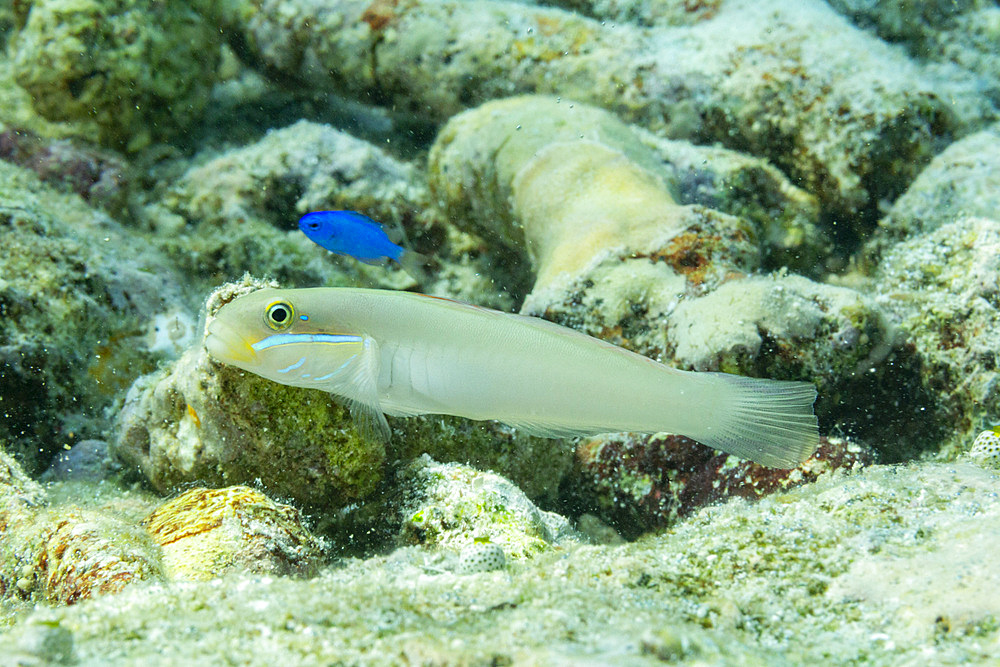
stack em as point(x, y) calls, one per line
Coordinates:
point(481, 557)
point(986, 448)
point(171, 332)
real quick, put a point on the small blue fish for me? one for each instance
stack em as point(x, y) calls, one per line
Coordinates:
point(358, 236)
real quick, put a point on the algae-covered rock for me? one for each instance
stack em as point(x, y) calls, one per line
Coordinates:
point(536, 465)
point(934, 265)
point(296, 169)
point(783, 324)
point(941, 287)
point(201, 422)
point(644, 483)
point(18, 492)
point(615, 256)
point(206, 533)
point(959, 36)
point(786, 218)
point(962, 181)
point(77, 294)
point(137, 69)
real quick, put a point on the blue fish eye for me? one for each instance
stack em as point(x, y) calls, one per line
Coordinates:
point(313, 225)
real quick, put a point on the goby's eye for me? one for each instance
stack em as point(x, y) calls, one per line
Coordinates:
point(278, 315)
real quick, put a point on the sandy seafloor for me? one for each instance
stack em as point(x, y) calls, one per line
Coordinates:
point(805, 191)
point(890, 566)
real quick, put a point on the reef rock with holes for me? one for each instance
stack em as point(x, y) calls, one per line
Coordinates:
point(836, 107)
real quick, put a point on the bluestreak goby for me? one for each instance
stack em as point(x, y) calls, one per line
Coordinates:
point(405, 354)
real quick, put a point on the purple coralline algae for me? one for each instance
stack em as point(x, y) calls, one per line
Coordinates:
point(96, 175)
point(646, 483)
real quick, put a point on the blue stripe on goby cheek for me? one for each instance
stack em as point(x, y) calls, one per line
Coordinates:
point(290, 339)
point(330, 375)
point(297, 364)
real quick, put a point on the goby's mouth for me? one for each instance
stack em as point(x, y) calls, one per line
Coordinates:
point(225, 344)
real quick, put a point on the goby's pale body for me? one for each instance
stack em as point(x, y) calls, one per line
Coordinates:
point(406, 354)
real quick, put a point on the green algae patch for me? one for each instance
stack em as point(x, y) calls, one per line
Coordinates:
point(199, 421)
point(536, 465)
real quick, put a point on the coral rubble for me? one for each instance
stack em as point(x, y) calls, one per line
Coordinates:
point(63, 554)
point(873, 567)
point(205, 533)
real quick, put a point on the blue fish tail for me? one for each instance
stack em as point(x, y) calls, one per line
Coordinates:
point(413, 263)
